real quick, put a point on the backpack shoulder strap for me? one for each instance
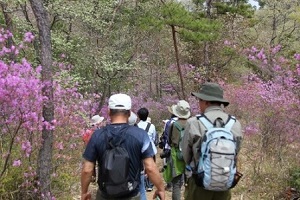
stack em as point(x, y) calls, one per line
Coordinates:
point(230, 122)
point(148, 127)
point(179, 128)
point(205, 121)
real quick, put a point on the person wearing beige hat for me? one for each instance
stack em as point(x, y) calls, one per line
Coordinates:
point(211, 104)
point(96, 121)
point(176, 166)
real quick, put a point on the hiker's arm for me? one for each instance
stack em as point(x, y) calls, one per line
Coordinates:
point(86, 175)
point(153, 173)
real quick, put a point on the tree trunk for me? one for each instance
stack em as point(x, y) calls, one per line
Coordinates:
point(9, 26)
point(177, 61)
point(45, 153)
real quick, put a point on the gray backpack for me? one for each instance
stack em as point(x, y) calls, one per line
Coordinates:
point(216, 169)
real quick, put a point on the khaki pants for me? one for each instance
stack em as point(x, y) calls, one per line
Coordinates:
point(100, 197)
point(194, 192)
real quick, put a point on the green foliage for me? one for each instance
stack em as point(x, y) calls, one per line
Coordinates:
point(245, 10)
point(295, 178)
point(11, 182)
point(198, 2)
point(190, 26)
point(63, 180)
point(296, 14)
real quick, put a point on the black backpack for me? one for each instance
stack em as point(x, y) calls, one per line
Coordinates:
point(114, 179)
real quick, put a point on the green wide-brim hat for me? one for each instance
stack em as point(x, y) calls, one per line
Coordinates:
point(211, 92)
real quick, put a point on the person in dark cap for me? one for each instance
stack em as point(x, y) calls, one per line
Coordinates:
point(210, 99)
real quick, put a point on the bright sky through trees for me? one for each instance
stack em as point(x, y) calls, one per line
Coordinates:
point(254, 3)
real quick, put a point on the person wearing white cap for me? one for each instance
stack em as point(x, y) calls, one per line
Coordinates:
point(176, 166)
point(139, 150)
point(96, 123)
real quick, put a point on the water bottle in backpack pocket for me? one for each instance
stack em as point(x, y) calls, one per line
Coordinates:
point(216, 169)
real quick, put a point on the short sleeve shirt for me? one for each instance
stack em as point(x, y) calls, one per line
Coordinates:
point(137, 143)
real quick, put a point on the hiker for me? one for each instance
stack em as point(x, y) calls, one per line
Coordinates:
point(119, 150)
point(143, 114)
point(96, 123)
point(164, 143)
point(165, 146)
point(132, 120)
point(176, 166)
point(211, 104)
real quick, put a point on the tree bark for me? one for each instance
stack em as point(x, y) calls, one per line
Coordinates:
point(45, 152)
point(177, 61)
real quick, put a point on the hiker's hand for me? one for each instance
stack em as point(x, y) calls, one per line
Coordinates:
point(86, 196)
point(159, 194)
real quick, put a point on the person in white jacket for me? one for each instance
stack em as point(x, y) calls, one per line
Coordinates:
point(143, 114)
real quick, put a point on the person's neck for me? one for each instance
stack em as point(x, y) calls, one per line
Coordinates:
point(118, 120)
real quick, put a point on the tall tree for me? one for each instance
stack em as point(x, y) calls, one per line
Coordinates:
point(45, 153)
point(184, 24)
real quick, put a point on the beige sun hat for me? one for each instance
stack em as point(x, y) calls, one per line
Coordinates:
point(181, 110)
point(96, 119)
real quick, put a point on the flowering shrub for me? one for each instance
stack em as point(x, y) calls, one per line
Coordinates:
point(21, 121)
point(268, 102)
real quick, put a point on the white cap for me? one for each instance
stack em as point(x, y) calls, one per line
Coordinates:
point(96, 119)
point(119, 101)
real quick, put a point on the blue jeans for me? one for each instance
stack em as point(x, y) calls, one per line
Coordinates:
point(142, 187)
point(148, 183)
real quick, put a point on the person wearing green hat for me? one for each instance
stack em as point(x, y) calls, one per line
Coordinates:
point(211, 104)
